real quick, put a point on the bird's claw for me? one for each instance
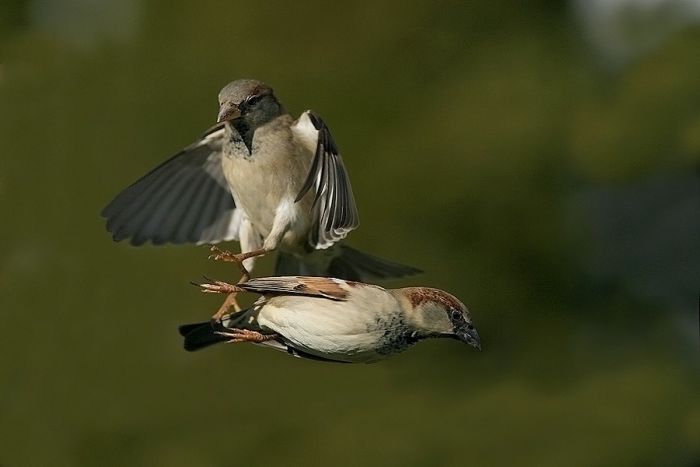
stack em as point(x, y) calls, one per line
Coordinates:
point(224, 255)
point(244, 335)
point(218, 287)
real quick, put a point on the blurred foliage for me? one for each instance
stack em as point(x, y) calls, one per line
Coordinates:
point(486, 144)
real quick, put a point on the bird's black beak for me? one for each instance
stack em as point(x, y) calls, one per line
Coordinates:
point(228, 111)
point(469, 336)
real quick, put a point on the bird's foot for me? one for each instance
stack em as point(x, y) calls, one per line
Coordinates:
point(245, 335)
point(218, 287)
point(224, 255)
point(214, 286)
point(224, 287)
point(217, 254)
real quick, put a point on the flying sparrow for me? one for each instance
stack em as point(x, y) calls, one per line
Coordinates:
point(261, 178)
point(333, 319)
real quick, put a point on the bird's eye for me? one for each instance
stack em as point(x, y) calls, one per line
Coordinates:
point(252, 100)
point(456, 314)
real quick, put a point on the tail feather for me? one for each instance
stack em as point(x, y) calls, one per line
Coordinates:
point(347, 263)
point(187, 328)
point(200, 335)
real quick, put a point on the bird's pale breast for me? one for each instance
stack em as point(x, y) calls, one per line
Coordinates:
point(270, 178)
point(355, 330)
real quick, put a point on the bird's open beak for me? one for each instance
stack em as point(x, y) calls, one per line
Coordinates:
point(469, 336)
point(228, 111)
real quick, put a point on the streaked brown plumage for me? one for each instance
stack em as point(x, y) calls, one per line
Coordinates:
point(335, 320)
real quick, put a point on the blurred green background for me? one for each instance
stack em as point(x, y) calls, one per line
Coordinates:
point(538, 159)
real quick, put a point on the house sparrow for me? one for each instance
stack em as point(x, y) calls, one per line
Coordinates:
point(259, 177)
point(333, 319)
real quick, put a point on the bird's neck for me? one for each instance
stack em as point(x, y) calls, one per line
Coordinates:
point(410, 316)
point(243, 129)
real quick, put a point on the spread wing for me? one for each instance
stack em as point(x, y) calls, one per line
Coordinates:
point(335, 213)
point(298, 285)
point(186, 199)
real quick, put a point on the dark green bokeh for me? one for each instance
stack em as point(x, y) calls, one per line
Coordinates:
point(486, 144)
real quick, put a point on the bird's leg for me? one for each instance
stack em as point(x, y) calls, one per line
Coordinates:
point(223, 255)
point(223, 287)
point(231, 301)
point(245, 335)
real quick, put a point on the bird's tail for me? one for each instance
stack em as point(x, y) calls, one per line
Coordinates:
point(345, 263)
point(200, 335)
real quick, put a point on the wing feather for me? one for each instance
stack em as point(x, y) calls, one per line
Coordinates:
point(298, 285)
point(184, 199)
point(335, 213)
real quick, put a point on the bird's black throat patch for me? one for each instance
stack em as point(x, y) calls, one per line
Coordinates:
point(245, 132)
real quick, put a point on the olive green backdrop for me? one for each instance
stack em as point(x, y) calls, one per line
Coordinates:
point(549, 184)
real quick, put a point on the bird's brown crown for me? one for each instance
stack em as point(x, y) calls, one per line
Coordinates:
point(420, 295)
point(237, 91)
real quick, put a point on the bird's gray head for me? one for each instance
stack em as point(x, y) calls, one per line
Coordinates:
point(439, 314)
point(248, 99)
